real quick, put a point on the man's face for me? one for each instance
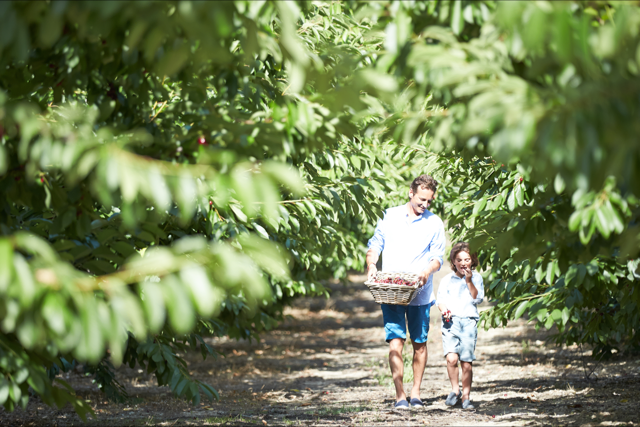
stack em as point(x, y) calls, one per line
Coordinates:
point(420, 200)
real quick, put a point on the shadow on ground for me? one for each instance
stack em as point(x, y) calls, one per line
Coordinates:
point(327, 365)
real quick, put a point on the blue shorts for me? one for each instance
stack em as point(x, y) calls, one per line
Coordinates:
point(459, 336)
point(417, 316)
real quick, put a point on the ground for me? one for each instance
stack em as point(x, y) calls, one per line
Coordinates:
point(327, 365)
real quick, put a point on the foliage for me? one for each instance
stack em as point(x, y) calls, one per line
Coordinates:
point(535, 120)
point(174, 170)
point(162, 168)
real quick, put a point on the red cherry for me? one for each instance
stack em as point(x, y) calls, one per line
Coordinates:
point(502, 165)
point(520, 179)
point(202, 141)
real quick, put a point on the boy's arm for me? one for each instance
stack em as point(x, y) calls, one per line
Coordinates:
point(479, 285)
point(441, 297)
point(468, 278)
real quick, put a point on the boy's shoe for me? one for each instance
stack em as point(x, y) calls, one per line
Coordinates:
point(416, 402)
point(467, 405)
point(453, 398)
point(402, 405)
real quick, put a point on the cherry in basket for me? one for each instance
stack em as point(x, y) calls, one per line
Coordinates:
point(397, 281)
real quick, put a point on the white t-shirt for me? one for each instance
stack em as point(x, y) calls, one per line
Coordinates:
point(454, 293)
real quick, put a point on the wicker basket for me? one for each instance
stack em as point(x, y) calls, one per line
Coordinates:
point(387, 293)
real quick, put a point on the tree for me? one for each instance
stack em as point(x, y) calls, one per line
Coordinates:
point(174, 169)
point(165, 179)
point(534, 117)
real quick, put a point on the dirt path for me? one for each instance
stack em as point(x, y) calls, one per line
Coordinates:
point(327, 365)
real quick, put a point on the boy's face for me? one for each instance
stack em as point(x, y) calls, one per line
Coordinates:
point(462, 261)
point(421, 200)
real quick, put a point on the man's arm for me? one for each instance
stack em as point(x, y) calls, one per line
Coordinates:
point(434, 266)
point(372, 259)
point(376, 245)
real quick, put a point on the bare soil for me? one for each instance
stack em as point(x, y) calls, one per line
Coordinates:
point(327, 365)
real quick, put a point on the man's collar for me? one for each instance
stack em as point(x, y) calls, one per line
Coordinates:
point(424, 214)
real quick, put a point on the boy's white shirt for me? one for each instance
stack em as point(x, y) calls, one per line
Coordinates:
point(454, 293)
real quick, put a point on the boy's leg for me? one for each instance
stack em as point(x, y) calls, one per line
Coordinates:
point(467, 377)
point(452, 370)
point(469, 336)
point(418, 320)
point(419, 363)
point(397, 367)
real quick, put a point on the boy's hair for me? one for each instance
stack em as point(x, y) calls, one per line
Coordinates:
point(424, 181)
point(462, 247)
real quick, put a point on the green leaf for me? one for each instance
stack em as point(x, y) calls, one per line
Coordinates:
point(205, 297)
point(181, 312)
point(172, 61)
point(511, 200)
point(153, 305)
point(521, 309)
point(479, 206)
point(381, 82)
point(519, 194)
point(286, 176)
point(559, 184)
point(25, 280)
point(457, 18)
point(240, 215)
point(4, 390)
point(6, 264)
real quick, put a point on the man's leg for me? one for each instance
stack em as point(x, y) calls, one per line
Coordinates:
point(397, 368)
point(452, 370)
point(419, 362)
point(418, 320)
point(467, 376)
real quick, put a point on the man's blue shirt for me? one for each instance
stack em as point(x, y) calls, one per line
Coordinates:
point(409, 245)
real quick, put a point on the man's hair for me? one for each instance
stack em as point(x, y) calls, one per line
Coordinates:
point(424, 181)
point(462, 247)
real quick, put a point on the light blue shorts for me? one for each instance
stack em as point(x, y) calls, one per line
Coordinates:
point(459, 336)
point(395, 324)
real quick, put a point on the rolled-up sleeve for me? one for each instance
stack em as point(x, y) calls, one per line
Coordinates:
point(376, 243)
point(479, 284)
point(437, 246)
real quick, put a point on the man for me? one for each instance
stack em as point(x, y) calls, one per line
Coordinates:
point(413, 241)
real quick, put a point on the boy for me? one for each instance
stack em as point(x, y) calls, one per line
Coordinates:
point(459, 294)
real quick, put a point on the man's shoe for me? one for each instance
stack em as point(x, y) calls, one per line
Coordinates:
point(453, 398)
point(402, 405)
point(467, 405)
point(416, 402)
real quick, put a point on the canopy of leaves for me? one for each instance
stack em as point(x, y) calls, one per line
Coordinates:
point(178, 169)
